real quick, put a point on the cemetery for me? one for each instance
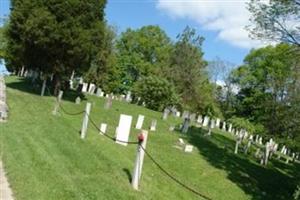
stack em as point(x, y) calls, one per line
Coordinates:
point(149, 100)
point(65, 157)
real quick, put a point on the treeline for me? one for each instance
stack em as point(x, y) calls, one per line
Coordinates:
point(56, 38)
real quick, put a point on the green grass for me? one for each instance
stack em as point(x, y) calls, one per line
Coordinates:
point(45, 158)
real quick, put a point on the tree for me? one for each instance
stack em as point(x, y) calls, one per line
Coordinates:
point(275, 21)
point(55, 36)
point(268, 90)
point(187, 71)
point(157, 93)
point(104, 71)
point(142, 52)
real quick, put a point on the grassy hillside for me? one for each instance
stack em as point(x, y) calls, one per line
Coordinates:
point(46, 159)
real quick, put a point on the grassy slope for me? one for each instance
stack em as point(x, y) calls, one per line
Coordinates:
point(46, 159)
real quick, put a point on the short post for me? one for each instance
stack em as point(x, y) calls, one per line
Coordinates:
point(58, 100)
point(85, 120)
point(137, 172)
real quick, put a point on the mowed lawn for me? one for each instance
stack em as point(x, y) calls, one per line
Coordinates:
point(45, 158)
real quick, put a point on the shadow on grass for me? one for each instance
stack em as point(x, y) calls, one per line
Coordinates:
point(128, 173)
point(262, 183)
point(26, 85)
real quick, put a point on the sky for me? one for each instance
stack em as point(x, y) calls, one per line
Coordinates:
point(221, 22)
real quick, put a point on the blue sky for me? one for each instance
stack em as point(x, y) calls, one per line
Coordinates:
point(221, 22)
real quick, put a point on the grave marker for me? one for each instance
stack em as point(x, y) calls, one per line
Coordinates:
point(153, 125)
point(123, 129)
point(140, 121)
point(103, 128)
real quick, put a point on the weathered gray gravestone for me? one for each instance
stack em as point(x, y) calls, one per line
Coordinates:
point(185, 114)
point(224, 126)
point(193, 117)
point(58, 100)
point(98, 92)
point(77, 100)
point(186, 125)
point(166, 113)
point(108, 103)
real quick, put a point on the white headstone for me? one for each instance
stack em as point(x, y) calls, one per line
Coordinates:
point(212, 123)
point(123, 129)
point(199, 119)
point(128, 96)
point(92, 88)
point(230, 128)
point(224, 126)
point(99, 91)
point(140, 121)
point(153, 125)
point(77, 100)
point(218, 123)
point(103, 128)
point(181, 141)
point(188, 148)
point(205, 121)
point(177, 114)
point(84, 87)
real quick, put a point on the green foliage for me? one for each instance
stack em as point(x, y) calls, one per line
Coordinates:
point(142, 52)
point(104, 71)
point(272, 21)
point(269, 94)
point(156, 92)
point(297, 193)
point(188, 73)
point(242, 123)
point(55, 36)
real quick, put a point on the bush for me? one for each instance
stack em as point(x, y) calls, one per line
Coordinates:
point(157, 93)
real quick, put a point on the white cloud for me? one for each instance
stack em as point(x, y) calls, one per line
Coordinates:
point(227, 17)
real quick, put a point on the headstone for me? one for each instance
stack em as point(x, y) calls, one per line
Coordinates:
point(218, 123)
point(199, 119)
point(84, 87)
point(101, 94)
point(260, 141)
point(77, 100)
point(193, 117)
point(140, 121)
point(181, 142)
point(108, 103)
point(92, 88)
point(177, 114)
point(128, 96)
point(188, 148)
point(98, 92)
point(172, 128)
point(103, 128)
point(224, 126)
point(205, 121)
point(186, 125)
point(166, 113)
point(153, 125)
point(185, 114)
point(123, 129)
point(230, 128)
point(212, 123)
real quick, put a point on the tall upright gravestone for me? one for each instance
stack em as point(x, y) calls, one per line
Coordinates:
point(123, 129)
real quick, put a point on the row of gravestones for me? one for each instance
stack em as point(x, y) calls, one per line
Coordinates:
point(241, 135)
point(3, 105)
